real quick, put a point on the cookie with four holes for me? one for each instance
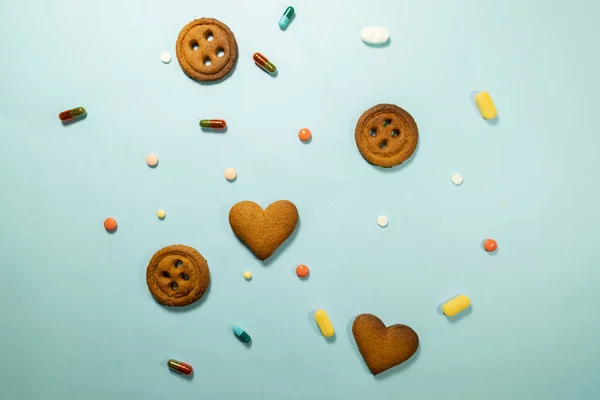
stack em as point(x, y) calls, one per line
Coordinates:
point(386, 135)
point(177, 275)
point(206, 50)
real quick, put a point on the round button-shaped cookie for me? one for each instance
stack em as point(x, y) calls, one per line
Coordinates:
point(386, 135)
point(206, 49)
point(177, 275)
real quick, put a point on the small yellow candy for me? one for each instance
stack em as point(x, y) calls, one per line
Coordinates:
point(161, 214)
point(486, 106)
point(456, 305)
point(247, 275)
point(324, 323)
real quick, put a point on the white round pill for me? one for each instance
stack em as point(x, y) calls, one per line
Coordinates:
point(165, 57)
point(230, 174)
point(382, 221)
point(457, 179)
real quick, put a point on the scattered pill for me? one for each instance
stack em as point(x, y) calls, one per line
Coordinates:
point(324, 323)
point(374, 35)
point(230, 174)
point(382, 221)
point(241, 334)
point(213, 123)
point(161, 214)
point(70, 115)
point(486, 106)
point(286, 17)
point(180, 367)
point(264, 63)
point(152, 160)
point(457, 179)
point(302, 271)
point(490, 245)
point(456, 305)
point(110, 224)
point(247, 275)
point(165, 57)
point(304, 134)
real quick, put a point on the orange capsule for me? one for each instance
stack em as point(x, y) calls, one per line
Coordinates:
point(302, 271)
point(490, 245)
point(110, 224)
point(180, 367)
point(304, 134)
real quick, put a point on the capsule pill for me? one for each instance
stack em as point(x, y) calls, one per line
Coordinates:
point(241, 334)
point(180, 367)
point(324, 323)
point(70, 115)
point(285, 19)
point(213, 123)
point(264, 63)
point(486, 106)
point(456, 305)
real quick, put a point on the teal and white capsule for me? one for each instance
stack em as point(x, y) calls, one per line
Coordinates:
point(286, 17)
point(241, 334)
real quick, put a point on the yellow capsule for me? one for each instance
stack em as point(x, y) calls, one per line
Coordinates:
point(486, 106)
point(324, 323)
point(455, 305)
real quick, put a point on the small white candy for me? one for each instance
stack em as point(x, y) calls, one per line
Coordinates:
point(382, 221)
point(457, 179)
point(374, 35)
point(165, 57)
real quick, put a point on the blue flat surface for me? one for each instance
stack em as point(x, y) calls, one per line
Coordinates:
point(77, 319)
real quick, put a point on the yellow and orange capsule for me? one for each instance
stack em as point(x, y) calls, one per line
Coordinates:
point(73, 114)
point(180, 367)
point(213, 123)
point(264, 63)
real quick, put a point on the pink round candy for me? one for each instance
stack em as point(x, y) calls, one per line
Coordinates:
point(230, 174)
point(152, 160)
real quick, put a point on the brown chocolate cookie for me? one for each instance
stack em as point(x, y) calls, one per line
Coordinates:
point(383, 348)
point(206, 49)
point(177, 275)
point(263, 231)
point(386, 135)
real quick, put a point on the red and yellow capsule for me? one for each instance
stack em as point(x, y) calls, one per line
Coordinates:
point(264, 63)
point(180, 367)
point(70, 115)
point(213, 123)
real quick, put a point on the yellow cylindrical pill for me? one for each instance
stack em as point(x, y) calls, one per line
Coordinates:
point(486, 106)
point(324, 323)
point(455, 305)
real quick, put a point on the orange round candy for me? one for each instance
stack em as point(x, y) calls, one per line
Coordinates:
point(302, 271)
point(110, 224)
point(304, 134)
point(490, 245)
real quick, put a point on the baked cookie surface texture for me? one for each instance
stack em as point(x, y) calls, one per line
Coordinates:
point(177, 275)
point(206, 50)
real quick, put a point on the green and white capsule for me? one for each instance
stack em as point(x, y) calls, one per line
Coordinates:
point(286, 17)
point(241, 334)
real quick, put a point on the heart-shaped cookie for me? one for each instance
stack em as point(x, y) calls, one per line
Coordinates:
point(263, 231)
point(383, 348)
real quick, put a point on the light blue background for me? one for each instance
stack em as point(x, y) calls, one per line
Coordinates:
point(77, 320)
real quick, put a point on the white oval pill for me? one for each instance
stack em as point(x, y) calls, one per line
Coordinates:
point(374, 35)
point(165, 57)
point(457, 179)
